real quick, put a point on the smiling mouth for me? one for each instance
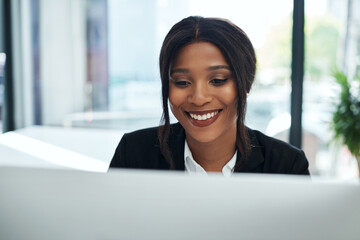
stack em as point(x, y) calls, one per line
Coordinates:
point(203, 118)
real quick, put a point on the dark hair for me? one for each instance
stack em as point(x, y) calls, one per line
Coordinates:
point(238, 52)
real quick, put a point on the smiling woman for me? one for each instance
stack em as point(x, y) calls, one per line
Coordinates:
point(203, 98)
point(207, 67)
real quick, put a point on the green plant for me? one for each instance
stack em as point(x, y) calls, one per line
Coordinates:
point(346, 118)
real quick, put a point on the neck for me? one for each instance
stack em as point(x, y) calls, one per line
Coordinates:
point(214, 155)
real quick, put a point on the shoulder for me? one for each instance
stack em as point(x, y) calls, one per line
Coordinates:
point(278, 156)
point(140, 149)
point(262, 140)
point(136, 149)
point(142, 136)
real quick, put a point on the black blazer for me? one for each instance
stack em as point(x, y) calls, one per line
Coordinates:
point(140, 149)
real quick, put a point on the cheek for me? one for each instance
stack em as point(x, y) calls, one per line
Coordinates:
point(176, 98)
point(229, 99)
point(230, 96)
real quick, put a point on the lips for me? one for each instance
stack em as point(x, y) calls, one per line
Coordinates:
point(203, 118)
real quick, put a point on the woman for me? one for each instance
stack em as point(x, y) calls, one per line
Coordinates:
point(207, 67)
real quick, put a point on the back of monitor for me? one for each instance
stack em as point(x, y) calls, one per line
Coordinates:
point(60, 204)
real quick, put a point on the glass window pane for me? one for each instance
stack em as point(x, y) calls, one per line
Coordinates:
point(99, 59)
point(332, 42)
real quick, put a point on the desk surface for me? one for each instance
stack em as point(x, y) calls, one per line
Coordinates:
point(56, 147)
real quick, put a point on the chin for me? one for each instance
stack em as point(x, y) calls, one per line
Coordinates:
point(205, 137)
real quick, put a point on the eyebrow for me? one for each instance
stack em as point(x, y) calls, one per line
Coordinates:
point(218, 67)
point(179, 70)
point(212, 68)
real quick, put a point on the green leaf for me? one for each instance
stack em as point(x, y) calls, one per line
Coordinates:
point(346, 118)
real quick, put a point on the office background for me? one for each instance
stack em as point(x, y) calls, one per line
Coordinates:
point(94, 64)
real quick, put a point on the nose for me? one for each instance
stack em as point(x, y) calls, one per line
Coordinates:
point(200, 95)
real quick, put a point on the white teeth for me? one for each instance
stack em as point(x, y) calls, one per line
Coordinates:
point(203, 117)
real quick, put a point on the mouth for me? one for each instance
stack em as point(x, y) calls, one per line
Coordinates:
point(203, 118)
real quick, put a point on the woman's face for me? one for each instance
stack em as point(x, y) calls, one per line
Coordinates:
point(202, 93)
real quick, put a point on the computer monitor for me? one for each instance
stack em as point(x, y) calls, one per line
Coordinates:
point(128, 204)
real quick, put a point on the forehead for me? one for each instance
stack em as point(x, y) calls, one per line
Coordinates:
point(199, 54)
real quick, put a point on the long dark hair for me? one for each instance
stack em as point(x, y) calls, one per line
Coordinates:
point(238, 52)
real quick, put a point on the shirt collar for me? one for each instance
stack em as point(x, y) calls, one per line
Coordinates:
point(193, 168)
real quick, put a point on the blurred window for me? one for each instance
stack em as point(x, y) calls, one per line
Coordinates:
point(95, 62)
point(332, 42)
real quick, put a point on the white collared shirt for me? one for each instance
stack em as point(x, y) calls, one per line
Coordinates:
point(193, 168)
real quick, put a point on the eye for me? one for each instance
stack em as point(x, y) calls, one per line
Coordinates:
point(181, 84)
point(218, 81)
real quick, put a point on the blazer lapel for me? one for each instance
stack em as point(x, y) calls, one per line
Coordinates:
point(177, 145)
